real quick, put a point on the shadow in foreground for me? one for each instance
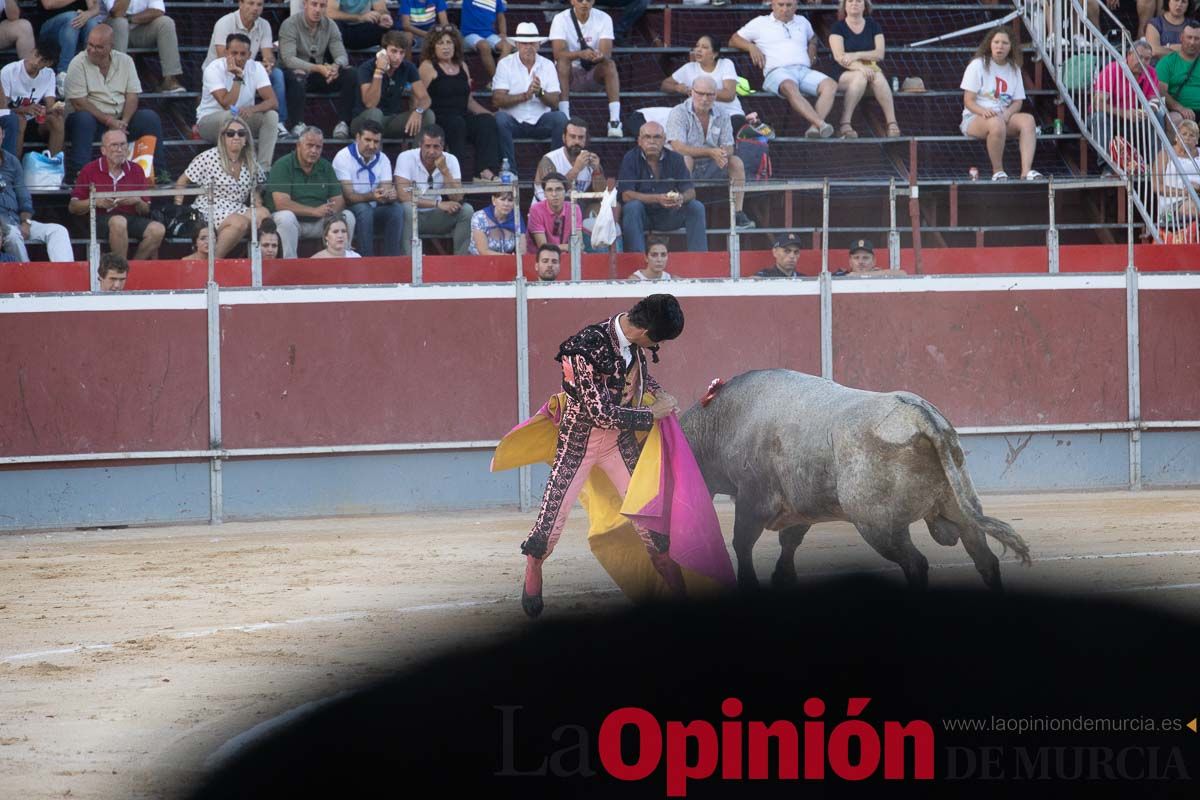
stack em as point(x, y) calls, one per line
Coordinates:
point(850, 688)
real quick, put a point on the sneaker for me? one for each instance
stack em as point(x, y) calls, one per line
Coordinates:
point(283, 131)
point(614, 129)
point(744, 222)
point(1000, 176)
point(813, 132)
point(341, 131)
point(1034, 175)
point(299, 129)
point(826, 130)
point(172, 86)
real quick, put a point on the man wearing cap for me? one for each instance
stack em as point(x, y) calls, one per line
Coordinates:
point(605, 376)
point(862, 261)
point(786, 251)
point(526, 91)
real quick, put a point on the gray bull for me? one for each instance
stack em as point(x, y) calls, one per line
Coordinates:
point(794, 450)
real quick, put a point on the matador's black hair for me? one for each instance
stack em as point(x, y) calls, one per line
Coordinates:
point(660, 316)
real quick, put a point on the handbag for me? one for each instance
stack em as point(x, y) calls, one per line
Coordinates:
point(43, 171)
point(604, 231)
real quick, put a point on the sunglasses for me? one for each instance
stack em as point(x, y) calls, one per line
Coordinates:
point(236, 133)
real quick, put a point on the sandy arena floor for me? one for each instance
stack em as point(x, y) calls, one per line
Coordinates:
point(129, 657)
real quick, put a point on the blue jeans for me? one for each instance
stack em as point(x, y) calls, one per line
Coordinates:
point(280, 89)
point(391, 219)
point(83, 130)
point(59, 27)
point(11, 126)
point(632, 11)
point(549, 126)
point(636, 217)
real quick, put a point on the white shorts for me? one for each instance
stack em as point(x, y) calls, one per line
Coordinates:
point(472, 39)
point(807, 78)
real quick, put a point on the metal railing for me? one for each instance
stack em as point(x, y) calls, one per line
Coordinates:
point(1132, 141)
point(484, 188)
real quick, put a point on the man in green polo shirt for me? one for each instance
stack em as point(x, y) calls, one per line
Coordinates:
point(1178, 73)
point(302, 190)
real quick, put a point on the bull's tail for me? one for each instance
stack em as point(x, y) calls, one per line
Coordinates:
point(944, 438)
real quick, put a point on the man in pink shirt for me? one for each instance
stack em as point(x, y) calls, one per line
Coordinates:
point(1114, 94)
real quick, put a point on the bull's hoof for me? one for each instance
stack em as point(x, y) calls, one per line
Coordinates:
point(532, 604)
point(783, 580)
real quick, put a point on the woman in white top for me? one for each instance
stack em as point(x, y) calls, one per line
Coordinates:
point(993, 91)
point(706, 60)
point(656, 262)
point(336, 236)
point(1175, 208)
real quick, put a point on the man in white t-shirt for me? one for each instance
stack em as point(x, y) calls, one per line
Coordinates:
point(370, 192)
point(582, 38)
point(248, 20)
point(525, 89)
point(29, 84)
point(784, 46)
point(236, 86)
point(144, 23)
point(424, 171)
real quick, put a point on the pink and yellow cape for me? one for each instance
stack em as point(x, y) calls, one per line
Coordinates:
point(666, 494)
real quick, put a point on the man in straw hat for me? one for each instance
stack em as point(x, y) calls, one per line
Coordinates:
point(526, 91)
point(605, 378)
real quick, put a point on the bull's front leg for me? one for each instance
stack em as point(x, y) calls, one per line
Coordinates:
point(747, 527)
point(785, 569)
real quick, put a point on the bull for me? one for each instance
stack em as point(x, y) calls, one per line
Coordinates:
point(794, 450)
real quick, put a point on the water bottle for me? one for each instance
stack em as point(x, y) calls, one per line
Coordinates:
point(507, 176)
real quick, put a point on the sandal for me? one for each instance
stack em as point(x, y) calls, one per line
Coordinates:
point(893, 130)
point(846, 131)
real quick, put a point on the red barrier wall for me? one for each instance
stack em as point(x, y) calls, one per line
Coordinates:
point(367, 372)
point(1169, 330)
point(103, 381)
point(722, 337)
point(990, 358)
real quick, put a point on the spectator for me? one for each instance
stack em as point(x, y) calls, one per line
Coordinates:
point(268, 239)
point(368, 187)
point(703, 135)
point(361, 22)
point(993, 92)
point(420, 173)
point(248, 20)
point(579, 166)
point(384, 83)
point(526, 89)
point(29, 84)
point(303, 190)
point(16, 209)
point(548, 220)
point(144, 23)
point(102, 94)
point(857, 46)
point(446, 79)
point(69, 26)
point(14, 31)
point(417, 18)
point(312, 35)
point(548, 262)
point(113, 272)
point(862, 262)
point(1178, 75)
point(336, 236)
point(705, 60)
point(632, 13)
point(117, 218)
point(1172, 176)
point(784, 46)
point(232, 84)
point(1113, 95)
point(656, 189)
point(582, 38)
point(496, 230)
point(485, 30)
point(234, 174)
point(200, 248)
point(786, 252)
point(1164, 33)
point(656, 261)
